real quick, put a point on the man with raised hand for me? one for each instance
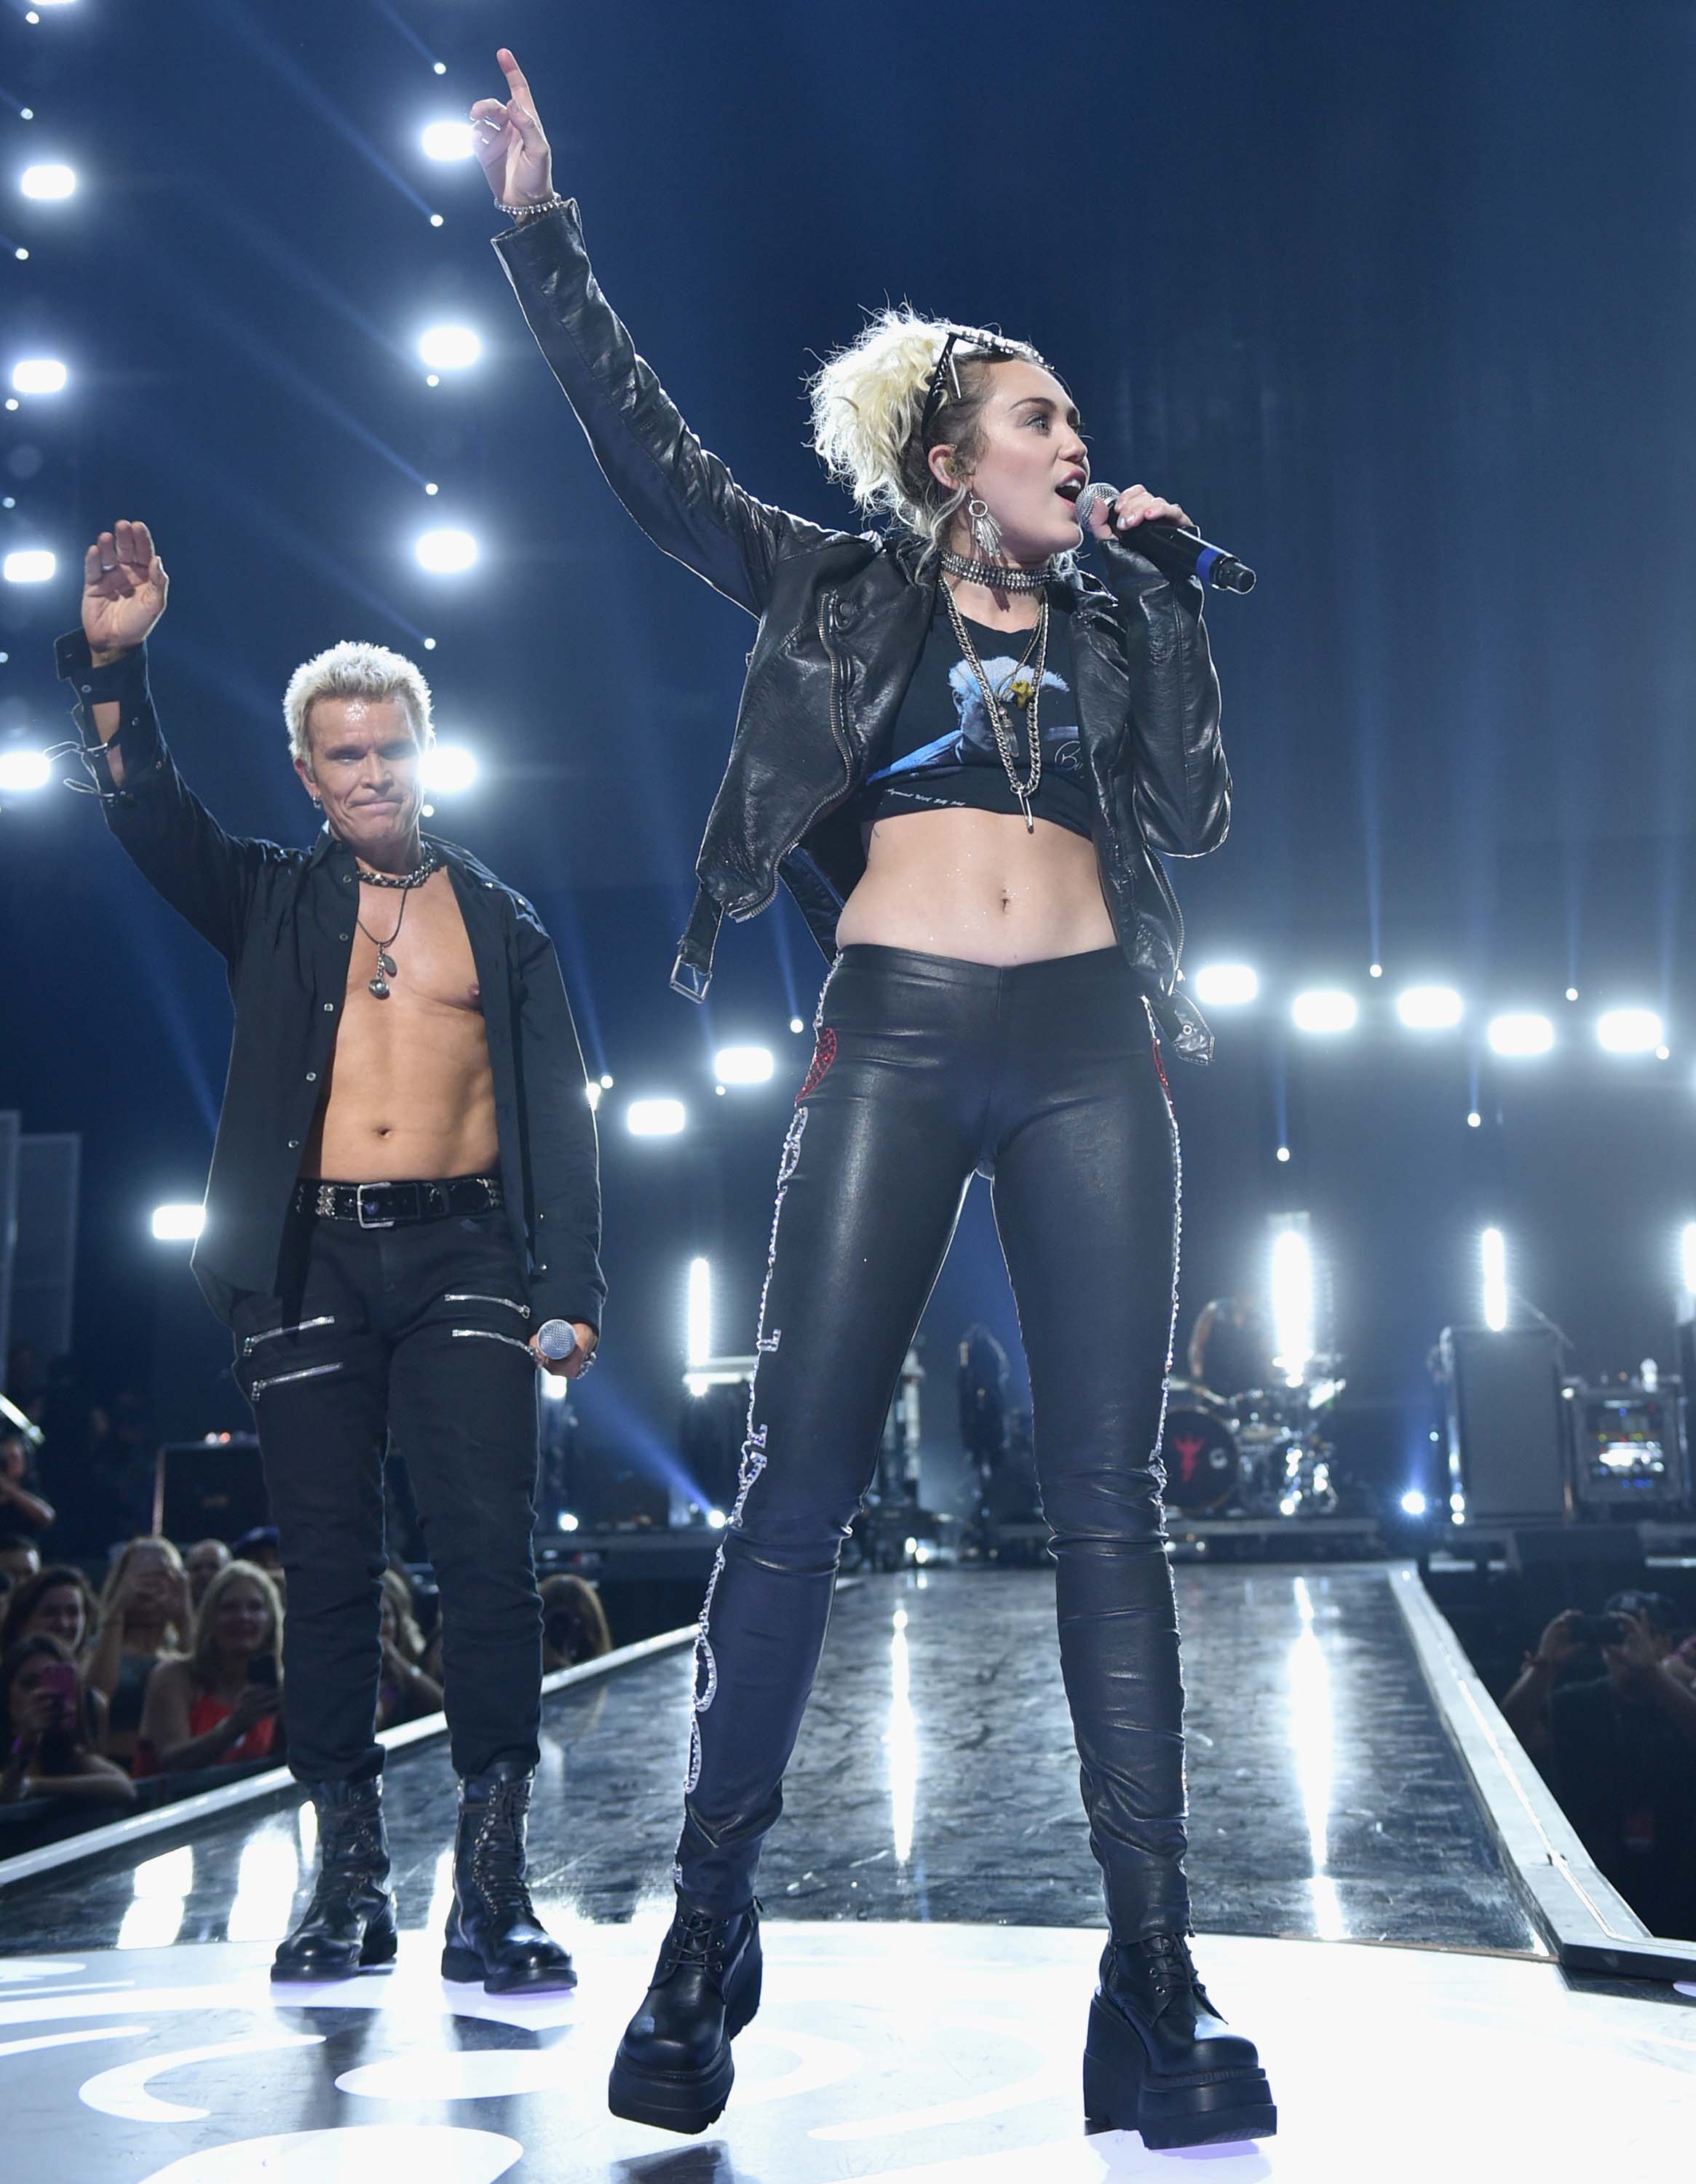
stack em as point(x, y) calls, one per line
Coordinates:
point(404, 1190)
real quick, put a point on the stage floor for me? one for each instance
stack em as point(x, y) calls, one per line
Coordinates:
point(933, 1930)
point(927, 2053)
point(936, 1779)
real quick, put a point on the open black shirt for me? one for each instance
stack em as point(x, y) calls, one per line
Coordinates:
point(283, 920)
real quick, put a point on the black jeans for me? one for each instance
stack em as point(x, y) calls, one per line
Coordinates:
point(417, 1333)
point(927, 1068)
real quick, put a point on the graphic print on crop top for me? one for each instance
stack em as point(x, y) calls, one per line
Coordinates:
point(942, 753)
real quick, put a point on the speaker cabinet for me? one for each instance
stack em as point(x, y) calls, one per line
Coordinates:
point(210, 1490)
point(1506, 1428)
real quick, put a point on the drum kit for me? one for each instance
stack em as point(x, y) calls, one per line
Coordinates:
point(1261, 1454)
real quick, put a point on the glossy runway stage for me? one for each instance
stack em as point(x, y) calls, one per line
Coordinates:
point(931, 1935)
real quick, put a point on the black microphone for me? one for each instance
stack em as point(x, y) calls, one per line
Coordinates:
point(1173, 550)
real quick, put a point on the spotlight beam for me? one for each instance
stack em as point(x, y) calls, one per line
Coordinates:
point(301, 85)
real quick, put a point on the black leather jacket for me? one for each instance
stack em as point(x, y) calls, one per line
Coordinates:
point(842, 620)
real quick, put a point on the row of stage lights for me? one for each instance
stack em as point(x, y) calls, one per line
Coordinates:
point(1323, 1011)
point(443, 550)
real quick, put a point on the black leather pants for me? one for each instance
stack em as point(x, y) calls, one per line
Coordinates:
point(927, 1068)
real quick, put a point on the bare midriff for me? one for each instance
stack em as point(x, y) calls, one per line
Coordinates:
point(976, 885)
point(410, 1092)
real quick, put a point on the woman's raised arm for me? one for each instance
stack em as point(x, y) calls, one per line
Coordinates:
point(683, 496)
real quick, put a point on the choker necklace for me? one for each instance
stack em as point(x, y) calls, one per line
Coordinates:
point(387, 969)
point(995, 576)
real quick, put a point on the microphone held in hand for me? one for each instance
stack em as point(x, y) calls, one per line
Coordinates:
point(1173, 550)
point(556, 1339)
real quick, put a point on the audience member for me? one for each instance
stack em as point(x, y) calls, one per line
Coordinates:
point(56, 1603)
point(145, 1617)
point(218, 1707)
point(261, 1546)
point(47, 1750)
point(573, 1624)
point(19, 1557)
point(202, 1562)
point(23, 1508)
point(406, 1691)
point(1620, 1752)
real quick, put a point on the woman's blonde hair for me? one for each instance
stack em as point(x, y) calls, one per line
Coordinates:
point(177, 1638)
point(203, 1662)
point(352, 669)
point(869, 428)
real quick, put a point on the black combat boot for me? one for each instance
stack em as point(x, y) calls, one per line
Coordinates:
point(1158, 2060)
point(674, 2068)
point(493, 1933)
point(349, 1925)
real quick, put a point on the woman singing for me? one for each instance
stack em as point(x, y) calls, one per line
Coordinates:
point(960, 755)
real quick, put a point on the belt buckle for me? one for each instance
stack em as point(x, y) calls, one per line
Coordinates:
point(360, 1190)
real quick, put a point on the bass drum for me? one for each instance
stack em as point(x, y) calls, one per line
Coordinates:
point(1200, 1451)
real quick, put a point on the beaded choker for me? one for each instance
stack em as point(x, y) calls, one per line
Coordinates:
point(996, 576)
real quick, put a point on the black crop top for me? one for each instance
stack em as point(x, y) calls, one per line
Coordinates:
point(942, 755)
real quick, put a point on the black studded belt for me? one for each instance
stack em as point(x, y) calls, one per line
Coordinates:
point(385, 1205)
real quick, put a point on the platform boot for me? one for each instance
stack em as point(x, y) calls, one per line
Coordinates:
point(1159, 2058)
point(674, 2068)
point(493, 1933)
point(349, 1925)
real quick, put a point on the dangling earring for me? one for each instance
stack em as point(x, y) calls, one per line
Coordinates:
point(986, 532)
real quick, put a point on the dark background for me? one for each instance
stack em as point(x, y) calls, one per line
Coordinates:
point(1398, 304)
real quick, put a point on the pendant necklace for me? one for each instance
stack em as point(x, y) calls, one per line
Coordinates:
point(378, 985)
point(1026, 690)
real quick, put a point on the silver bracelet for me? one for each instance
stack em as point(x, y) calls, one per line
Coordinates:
point(520, 214)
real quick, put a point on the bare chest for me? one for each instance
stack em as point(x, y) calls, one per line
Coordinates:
point(414, 944)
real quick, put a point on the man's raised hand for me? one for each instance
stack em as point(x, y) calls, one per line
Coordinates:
point(510, 142)
point(124, 588)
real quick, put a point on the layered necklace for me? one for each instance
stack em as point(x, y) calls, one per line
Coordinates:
point(406, 882)
point(1023, 687)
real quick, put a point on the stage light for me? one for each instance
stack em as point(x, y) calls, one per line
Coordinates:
point(699, 1325)
point(1573, 993)
point(567, 1522)
point(796, 1024)
point(743, 1065)
point(1225, 985)
point(1325, 1010)
point(178, 1224)
point(606, 1084)
point(1375, 970)
point(436, 220)
point(20, 253)
point(1413, 1503)
point(1475, 1121)
point(51, 180)
point(23, 770)
point(716, 1520)
point(591, 1093)
point(448, 140)
point(1630, 1031)
point(440, 69)
point(449, 349)
point(38, 375)
point(429, 644)
point(1283, 1152)
point(446, 553)
point(1520, 1034)
point(1494, 1258)
point(1293, 1298)
point(1663, 1054)
point(446, 769)
point(654, 1119)
point(1430, 1008)
point(35, 566)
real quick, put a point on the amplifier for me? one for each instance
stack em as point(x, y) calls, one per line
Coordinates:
point(210, 1490)
point(1506, 1427)
point(1627, 1450)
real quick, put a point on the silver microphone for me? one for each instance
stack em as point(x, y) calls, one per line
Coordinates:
point(556, 1339)
point(1173, 550)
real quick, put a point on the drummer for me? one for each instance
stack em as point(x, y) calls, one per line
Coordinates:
point(1230, 1348)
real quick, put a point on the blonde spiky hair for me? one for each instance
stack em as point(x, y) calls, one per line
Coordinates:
point(868, 402)
point(354, 670)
